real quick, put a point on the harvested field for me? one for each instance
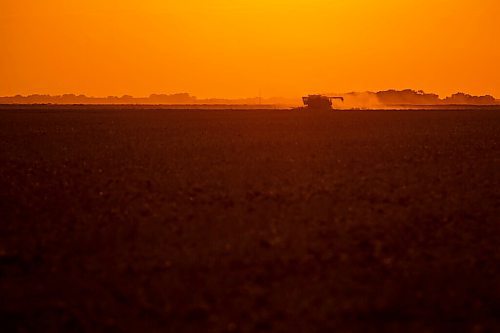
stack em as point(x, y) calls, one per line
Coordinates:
point(244, 221)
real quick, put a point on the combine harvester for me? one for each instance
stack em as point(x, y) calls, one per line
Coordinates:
point(319, 102)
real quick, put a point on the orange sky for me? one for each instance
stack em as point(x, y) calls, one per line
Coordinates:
point(234, 48)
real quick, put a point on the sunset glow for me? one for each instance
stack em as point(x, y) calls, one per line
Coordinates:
point(237, 48)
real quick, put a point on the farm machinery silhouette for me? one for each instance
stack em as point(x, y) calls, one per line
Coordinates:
point(319, 102)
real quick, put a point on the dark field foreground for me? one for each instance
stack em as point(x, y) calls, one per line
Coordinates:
point(243, 221)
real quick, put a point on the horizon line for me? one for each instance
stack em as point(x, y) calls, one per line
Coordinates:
point(190, 95)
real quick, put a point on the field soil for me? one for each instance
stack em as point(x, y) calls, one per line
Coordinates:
point(249, 221)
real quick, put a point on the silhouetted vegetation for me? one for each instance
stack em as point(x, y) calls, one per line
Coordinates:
point(168, 99)
point(381, 99)
point(461, 98)
point(408, 97)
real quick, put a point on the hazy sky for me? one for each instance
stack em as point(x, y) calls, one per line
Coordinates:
point(234, 48)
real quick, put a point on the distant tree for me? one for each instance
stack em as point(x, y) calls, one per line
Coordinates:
point(407, 97)
point(466, 99)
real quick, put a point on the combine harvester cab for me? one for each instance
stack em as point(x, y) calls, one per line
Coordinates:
point(319, 102)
